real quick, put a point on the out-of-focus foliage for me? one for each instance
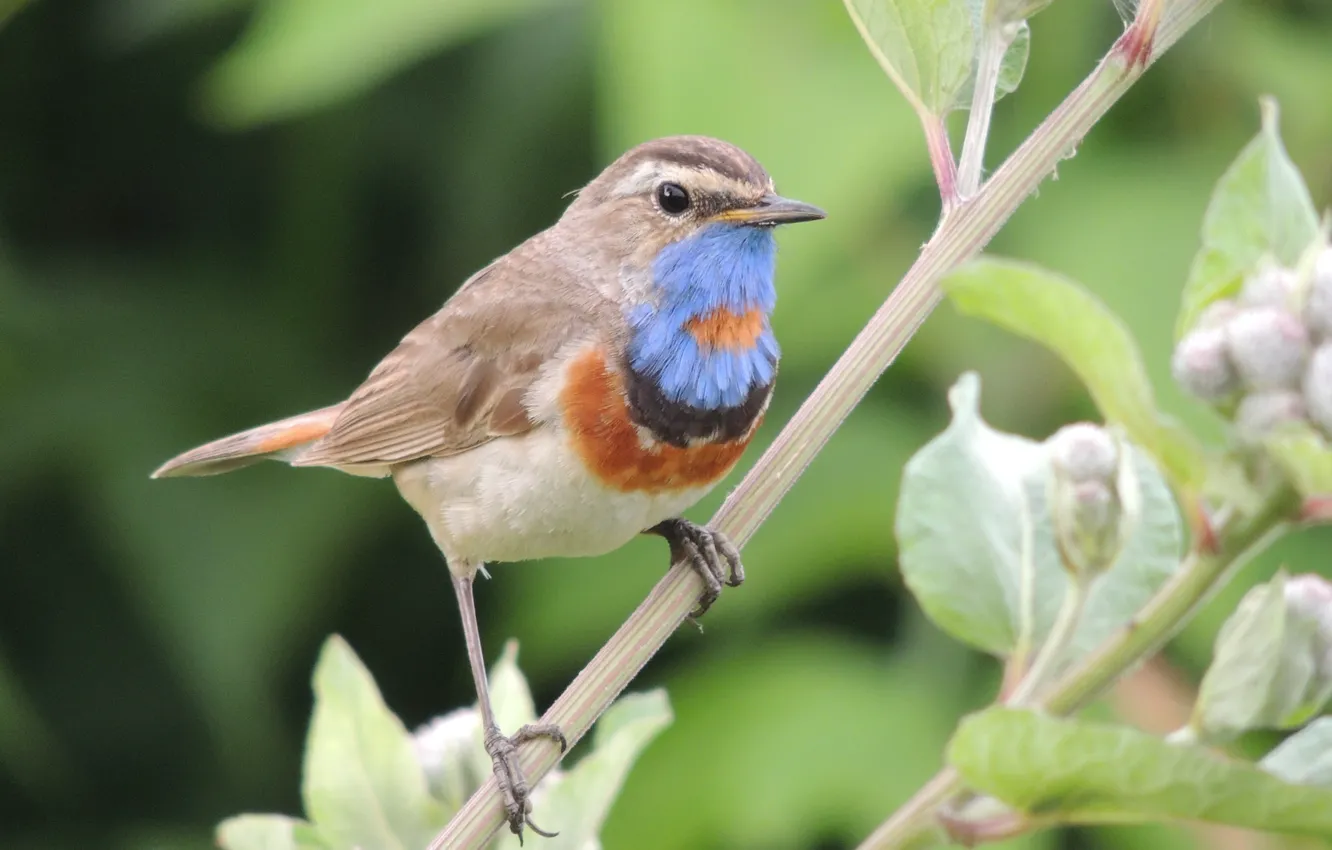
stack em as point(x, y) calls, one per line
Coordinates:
point(166, 278)
point(367, 783)
point(1304, 758)
point(1086, 771)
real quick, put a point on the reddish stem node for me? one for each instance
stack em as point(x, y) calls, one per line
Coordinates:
point(970, 833)
point(1316, 510)
point(1204, 532)
point(1137, 43)
point(941, 160)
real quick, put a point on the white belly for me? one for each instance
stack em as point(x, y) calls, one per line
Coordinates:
point(524, 497)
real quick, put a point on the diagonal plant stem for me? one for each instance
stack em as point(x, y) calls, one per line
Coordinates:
point(961, 235)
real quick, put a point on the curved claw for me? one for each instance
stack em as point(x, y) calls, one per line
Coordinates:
point(513, 785)
point(709, 552)
point(527, 820)
point(532, 731)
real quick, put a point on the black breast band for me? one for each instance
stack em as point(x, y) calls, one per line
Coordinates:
point(677, 424)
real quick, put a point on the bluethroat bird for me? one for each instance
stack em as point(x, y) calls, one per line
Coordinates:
point(584, 388)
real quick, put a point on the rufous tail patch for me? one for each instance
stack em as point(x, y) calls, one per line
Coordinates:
point(253, 445)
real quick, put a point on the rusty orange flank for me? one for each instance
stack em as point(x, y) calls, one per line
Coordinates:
point(597, 417)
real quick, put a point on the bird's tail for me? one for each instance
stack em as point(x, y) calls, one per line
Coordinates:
point(283, 440)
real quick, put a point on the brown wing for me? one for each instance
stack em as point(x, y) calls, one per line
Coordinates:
point(460, 378)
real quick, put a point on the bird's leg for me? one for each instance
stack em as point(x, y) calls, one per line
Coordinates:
point(503, 750)
point(711, 554)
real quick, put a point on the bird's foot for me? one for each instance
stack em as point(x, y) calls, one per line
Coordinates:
point(711, 554)
point(512, 784)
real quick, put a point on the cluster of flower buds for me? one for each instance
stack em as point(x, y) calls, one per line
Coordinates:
point(1085, 497)
point(1268, 352)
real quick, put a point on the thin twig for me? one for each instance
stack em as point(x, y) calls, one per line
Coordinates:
point(1057, 643)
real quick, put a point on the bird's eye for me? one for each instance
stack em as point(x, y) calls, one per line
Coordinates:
point(673, 198)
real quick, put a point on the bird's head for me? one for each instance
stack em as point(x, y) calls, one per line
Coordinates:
point(672, 189)
point(689, 222)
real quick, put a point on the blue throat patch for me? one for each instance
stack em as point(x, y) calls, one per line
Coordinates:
point(722, 266)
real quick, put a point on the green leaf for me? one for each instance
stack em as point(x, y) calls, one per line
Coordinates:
point(1238, 685)
point(970, 578)
point(1259, 208)
point(1304, 758)
point(1082, 772)
point(996, 581)
point(575, 804)
point(1266, 673)
point(1059, 314)
point(267, 832)
point(1014, 63)
point(363, 786)
point(1305, 456)
point(928, 49)
point(301, 55)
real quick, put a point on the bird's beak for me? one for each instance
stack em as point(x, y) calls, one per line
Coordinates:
point(772, 210)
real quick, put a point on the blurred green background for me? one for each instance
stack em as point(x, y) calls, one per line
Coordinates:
point(214, 213)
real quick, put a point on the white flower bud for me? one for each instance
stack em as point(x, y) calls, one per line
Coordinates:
point(1318, 306)
point(1201, 365)
point(1084, 452)
point(446, 747)
point(1318, 388)
point(1217, 314)
point(1087, 522)
point(1309, 596)
point(1261, 413)
point(1309, 602)
point(1269, 347)
point(1270, 286)
point(1085, 505)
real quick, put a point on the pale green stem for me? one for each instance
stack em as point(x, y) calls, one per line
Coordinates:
point(960, 236)
point(994, 44)
point(1019, 660)
point(1057, 643)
